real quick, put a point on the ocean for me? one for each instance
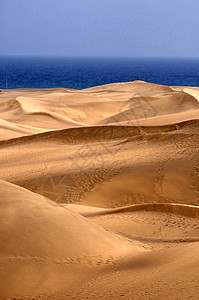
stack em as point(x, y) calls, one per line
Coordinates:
point(84, 72)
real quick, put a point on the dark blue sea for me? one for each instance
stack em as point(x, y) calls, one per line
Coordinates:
point(80, 73)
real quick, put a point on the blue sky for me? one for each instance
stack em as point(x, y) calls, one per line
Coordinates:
point(125, 28)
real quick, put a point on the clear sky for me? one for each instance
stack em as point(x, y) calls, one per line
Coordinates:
point(100, 28)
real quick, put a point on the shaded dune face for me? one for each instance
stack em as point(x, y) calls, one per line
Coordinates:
point(99, 192)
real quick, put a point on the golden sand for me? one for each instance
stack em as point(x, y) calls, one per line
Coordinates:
point(99, 192)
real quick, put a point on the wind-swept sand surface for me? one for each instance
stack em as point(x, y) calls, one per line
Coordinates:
point(99, 192)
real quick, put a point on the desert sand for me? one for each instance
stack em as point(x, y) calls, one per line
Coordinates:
point(99, 192)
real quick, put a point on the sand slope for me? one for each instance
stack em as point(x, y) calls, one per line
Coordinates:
point(99, 192)
point(38, 236)
point(94, 165)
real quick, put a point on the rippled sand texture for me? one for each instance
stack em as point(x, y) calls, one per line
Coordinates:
point(99, 192)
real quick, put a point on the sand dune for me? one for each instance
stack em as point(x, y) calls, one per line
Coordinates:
point(81, 164)
point(37, 235)
point(133, 103)
point(99, 192)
